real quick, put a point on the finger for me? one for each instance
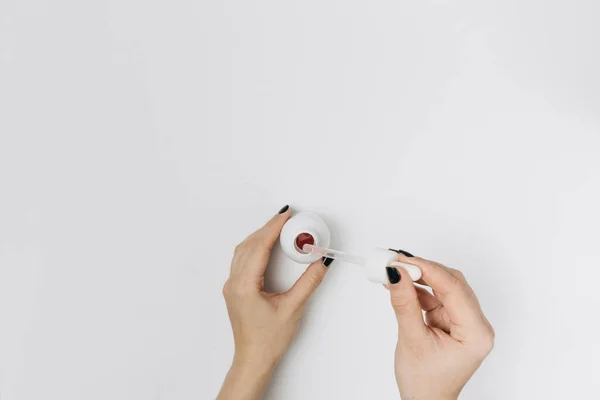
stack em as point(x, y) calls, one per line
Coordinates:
point(269, 233)
point(406, 304)
point(406, 253)
point(256, 249)
point(438, 318)
point(428, 301)
point(435, 314)
point(414, 271)
point(453, 292)
point(308, 282)
point(454, 272)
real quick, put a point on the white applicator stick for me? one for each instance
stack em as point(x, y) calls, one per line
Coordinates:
point(375, 263)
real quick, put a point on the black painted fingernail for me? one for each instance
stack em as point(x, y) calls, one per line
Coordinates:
point(393, 275)
point(327, 261)
point(283, 209)
point(406, 253)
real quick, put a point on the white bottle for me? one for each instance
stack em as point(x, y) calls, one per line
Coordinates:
point(303, 228)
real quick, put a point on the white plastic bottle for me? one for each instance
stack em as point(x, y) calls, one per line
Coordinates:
point(303, 228)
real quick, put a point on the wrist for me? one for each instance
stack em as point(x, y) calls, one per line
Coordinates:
point(258, 358)
point(427, 392)
point(253, 364)
point(428, 397)
point(246, 379)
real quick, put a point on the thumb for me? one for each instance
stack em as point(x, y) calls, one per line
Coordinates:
point(308, 282)
point(405, 303)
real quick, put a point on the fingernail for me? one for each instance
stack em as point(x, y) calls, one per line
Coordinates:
point(283, 209)
point(327, 261)
point(393, 275)
point(406, 253)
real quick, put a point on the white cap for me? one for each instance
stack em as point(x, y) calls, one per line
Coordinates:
point(378, 259)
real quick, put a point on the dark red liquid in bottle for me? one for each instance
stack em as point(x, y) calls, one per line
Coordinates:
point(302, 239)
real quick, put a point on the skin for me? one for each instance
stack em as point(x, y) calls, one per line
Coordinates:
point(263, 323)
point(434, 357)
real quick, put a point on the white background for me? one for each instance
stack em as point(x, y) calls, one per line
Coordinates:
point(141, 140)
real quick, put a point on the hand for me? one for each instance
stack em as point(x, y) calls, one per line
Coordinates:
point(436, 358)
point(263, 323)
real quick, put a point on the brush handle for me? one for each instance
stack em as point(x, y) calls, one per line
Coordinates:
point(335, 254)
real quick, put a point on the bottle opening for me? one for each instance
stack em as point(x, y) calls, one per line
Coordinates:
point(302, 239)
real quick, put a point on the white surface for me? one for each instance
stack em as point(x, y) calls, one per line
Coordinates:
point(141, 140)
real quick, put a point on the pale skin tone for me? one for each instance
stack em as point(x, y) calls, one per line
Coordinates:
point(263, 323)
point(434, 356)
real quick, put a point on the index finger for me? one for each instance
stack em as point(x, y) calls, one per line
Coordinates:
point(452, 290)
point(256, 248)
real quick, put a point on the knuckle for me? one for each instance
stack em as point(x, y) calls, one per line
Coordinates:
point(227, 289)
point(402, 304)
point(315, 280)
point(232, 289)
point(457, 273)
point(458, 285)
point(486, 342)
point(491, 334)
point(239, 248)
